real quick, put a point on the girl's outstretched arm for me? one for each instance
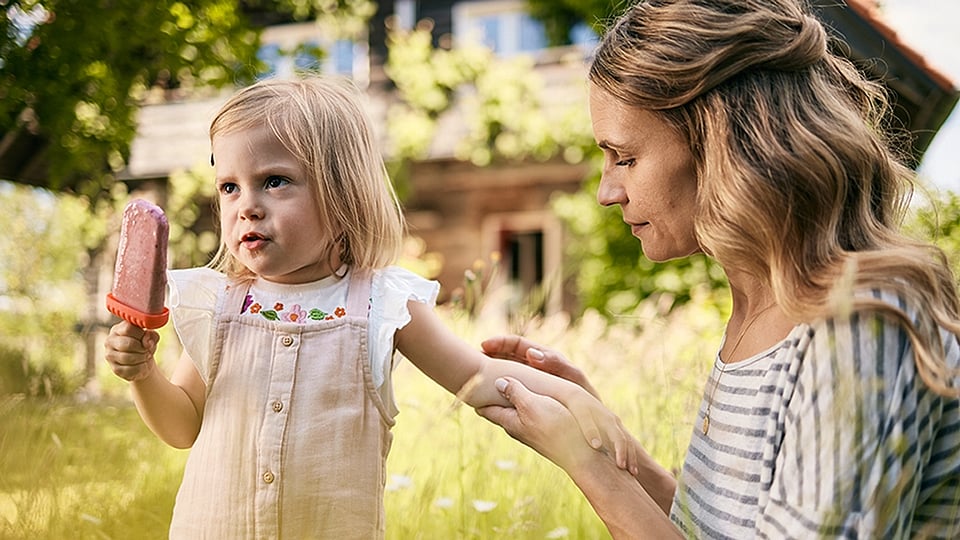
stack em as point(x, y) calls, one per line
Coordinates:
point(471, 375)
point(171, 408)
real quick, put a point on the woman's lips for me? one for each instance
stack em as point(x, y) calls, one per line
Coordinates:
point(635, 228)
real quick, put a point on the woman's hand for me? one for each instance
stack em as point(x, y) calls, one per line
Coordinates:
point(130, 351)
point(540, 422)
point(521, 349)
point(634, 504)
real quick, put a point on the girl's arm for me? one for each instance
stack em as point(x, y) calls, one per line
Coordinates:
point(470, 374)
point(171, 408)
point(631, 506)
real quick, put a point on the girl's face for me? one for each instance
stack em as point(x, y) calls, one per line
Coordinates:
point(648, 170)
point(269, 219)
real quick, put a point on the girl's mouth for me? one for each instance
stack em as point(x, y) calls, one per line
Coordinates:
point(253, 241)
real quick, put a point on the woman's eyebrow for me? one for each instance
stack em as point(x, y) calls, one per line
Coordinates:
point(607, 145)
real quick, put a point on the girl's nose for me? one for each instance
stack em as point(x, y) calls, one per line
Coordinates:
point(250, 207)
point(610, 192)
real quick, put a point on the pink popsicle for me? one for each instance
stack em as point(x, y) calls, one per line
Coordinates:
point(140, 275)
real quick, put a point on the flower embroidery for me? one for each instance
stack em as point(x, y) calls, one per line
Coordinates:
point(295, 314)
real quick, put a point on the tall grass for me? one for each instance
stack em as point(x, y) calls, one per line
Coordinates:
point(92, 470)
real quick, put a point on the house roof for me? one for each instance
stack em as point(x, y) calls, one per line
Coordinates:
point(870, 10)
point(924, 96)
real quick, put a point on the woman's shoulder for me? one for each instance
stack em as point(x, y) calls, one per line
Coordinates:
point(870, 336)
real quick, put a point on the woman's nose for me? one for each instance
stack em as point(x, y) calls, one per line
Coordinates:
point(610, 192)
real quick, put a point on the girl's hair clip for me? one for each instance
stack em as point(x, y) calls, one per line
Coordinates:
point(211, 160)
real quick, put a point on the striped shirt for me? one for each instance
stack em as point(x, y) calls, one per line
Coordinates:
point(830, 433)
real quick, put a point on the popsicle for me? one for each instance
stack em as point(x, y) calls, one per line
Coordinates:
point(140, 275)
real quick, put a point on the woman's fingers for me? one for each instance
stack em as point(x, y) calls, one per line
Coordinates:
point(520, 349)
point(540, 422)
point(512, 347)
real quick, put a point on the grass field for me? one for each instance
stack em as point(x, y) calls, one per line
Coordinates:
point(92, 470)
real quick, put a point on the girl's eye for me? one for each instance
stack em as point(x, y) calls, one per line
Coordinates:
point(227, 188)
point(275, 182)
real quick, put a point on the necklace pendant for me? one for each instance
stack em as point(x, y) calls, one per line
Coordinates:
point(706, 424)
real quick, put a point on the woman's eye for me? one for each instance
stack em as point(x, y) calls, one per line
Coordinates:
point(276, 181)
point(626, 162)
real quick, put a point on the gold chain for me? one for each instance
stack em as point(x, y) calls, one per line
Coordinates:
point(723, 367)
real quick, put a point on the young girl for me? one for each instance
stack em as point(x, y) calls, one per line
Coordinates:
point(283, 390)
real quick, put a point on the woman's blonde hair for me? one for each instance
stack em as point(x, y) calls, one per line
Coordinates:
point(322, 122)
point(797, 180)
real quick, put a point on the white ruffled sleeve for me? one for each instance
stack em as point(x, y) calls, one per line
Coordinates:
point(193, 297)
point(392, 287)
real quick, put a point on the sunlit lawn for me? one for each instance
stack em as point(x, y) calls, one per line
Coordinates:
point(92, 470)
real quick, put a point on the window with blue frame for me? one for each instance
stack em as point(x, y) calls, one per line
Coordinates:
point(270, 57)
point(582, 34)
point(297, 48)
point(533, 36)
point(508, 33)
point(507, 29)
point(341, 56)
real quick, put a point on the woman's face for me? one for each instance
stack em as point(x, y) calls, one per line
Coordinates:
point(648, 170)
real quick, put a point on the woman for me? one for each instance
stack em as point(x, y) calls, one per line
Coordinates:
point(729, 128)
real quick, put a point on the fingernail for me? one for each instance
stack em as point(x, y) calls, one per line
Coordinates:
point(536, 353)
point(596, 443)
point(500, 384)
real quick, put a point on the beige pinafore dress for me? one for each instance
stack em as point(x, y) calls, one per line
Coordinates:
point(294, 437)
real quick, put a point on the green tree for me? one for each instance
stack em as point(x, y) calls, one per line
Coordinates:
point(41, 287)
point(497, 99)
point(560, 16)
point(73, 73)
point(937, 218)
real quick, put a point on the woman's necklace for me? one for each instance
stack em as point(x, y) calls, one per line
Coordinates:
point(723, 367)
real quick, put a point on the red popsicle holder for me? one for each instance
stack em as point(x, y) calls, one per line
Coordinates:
point(150, 321)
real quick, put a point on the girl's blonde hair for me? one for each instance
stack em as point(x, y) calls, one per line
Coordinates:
point(322, 122)
point(797, 180)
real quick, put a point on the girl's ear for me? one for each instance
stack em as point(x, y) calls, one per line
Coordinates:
point(343, 243)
